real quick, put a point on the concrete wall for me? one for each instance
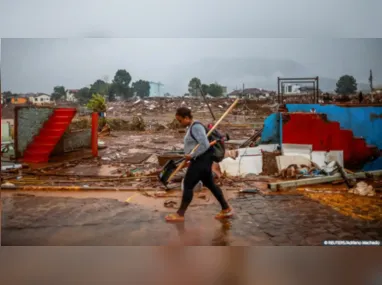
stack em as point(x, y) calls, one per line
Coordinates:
point(365, 122)
point(29, 122)
point(73, 141)
point(271, 131)
point(323, 135)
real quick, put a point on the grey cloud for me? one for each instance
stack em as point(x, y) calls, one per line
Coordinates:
point(190, 18)
point(37, 65)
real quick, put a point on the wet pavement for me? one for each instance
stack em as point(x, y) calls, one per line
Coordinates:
point(260, 220)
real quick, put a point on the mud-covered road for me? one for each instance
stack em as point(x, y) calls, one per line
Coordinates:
point(53, 219)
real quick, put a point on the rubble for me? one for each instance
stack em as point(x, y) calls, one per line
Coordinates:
point(170, 204)
point(332, 99)
point(156, 106)
point(270, 162)
point(158, 127)
point(363, 189)
point(174, 125)
point(321, 180)
point(140, 133)
point(137, 124)
point(295, 171)
point(105, 131)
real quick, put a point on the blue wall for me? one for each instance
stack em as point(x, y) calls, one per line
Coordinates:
point(271, 131)
point(365, 122)
point(373, 165)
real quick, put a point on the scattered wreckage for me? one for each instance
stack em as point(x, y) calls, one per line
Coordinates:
point(136, 147)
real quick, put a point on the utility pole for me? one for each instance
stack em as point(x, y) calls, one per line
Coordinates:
point(371, 85)
point(106, 80)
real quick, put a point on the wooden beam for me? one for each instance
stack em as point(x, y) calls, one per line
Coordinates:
point(318, 180)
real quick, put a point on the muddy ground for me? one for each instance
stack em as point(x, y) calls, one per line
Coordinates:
point(105, 219)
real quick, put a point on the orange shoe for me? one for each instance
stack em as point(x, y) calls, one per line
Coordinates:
point(225, 214)
point(174, 218)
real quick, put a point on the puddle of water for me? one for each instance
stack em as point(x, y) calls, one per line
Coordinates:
point(103, 170)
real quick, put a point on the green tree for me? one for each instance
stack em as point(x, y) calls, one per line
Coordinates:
point(205, 89)
point(99, 87)
point(194, 86)
point(83, 95)
point(59, 92)
point(346, 85)
point(97, 103)
point(7, 96)
point(112, 92)
point(121, 83)
point(215, 90)
point(141, 88)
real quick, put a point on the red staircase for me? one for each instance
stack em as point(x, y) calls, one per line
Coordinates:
point(324, 135)
point(50, 134)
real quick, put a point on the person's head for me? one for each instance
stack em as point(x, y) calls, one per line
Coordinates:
point(184, 116)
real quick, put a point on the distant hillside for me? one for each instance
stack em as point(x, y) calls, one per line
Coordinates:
point(252, 72)
point(329, 85)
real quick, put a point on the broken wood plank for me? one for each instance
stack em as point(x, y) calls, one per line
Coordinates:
point(254, 137)
point(344, 175)
point(318, 180)
point(235, 142)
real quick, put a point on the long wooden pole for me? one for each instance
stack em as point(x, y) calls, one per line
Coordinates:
point(208, 105)
point(208, 134)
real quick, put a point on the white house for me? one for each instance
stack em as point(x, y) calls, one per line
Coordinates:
point(291, 89)
point(70, 95)
point(40, 99)
point(156, 89)
point(224, 91)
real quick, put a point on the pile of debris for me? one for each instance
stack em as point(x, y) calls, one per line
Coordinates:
point(363, 189)
point(8, 111)
point(137, 123)
point(333, 99)
point(174, 125)
point(152, 106)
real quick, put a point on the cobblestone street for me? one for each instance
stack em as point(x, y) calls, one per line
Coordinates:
point(260, 220)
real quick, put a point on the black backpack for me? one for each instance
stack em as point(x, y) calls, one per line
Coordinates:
point(218, 149)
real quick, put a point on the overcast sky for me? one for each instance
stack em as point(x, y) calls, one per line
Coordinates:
point(190, 18)
point(37, 65)
point(171, 41)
